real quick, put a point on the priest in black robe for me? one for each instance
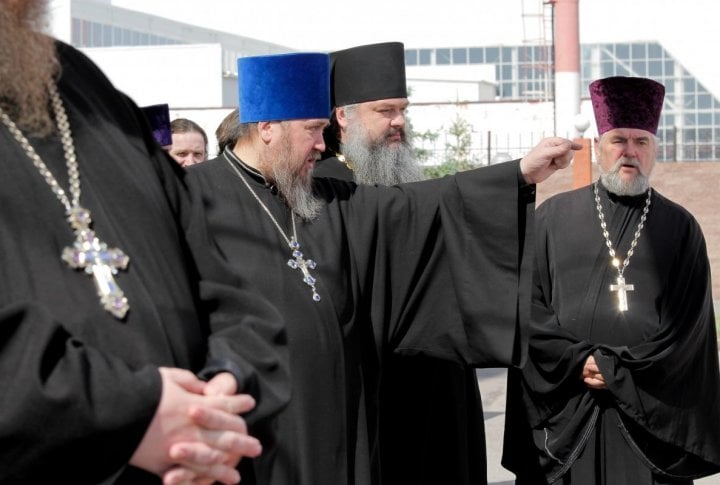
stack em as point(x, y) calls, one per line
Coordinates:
point(429, 268)
point(367, 142)
point(83, 400)
point(621, 385)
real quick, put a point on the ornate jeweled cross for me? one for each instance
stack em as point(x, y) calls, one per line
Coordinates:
point(305, 265)
point(93, 256)
point(622, 290)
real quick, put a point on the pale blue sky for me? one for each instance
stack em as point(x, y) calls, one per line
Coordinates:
point(687, 28)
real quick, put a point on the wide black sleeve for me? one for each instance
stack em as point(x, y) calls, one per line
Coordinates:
point(455, 253)
point(59, 392)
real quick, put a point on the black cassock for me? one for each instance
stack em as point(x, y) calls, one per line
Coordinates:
point(79, 387)
point(659, 419)
point(442, 394)
point(332, 167)
point(423, 269)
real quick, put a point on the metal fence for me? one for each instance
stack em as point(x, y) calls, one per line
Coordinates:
point(495, 148)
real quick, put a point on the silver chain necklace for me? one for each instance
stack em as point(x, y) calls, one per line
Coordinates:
point(297, 260)
point(621, 287)
point(88, 252)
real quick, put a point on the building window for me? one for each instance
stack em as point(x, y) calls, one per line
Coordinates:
point(639, 51)
point(425, 57)
point(622, 52)
point(639, 68)
point(655, 51)
point(442, 57)
point(607, 69)
point(96, 34)
point(492, 55)
point(459, 56)
point(477, 55)
point(689, 85)
point(704, 101)
point(411, 57)
point(705, 119)
point(507, 54)
point(655, 69)
point(76, 26)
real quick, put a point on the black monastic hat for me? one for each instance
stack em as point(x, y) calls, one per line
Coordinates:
point(368, 73)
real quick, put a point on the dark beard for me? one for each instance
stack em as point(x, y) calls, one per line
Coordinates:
point(28, 64)
point(378, 163)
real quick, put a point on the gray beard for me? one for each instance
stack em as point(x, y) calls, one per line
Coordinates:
point(377, 163)
point(612, 181)
point(296, 190)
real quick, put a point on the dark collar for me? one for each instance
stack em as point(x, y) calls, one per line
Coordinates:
point(626, 200)
point(254, 173)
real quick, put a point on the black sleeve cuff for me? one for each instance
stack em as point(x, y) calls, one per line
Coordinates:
point(215, 366)
point(527, 191)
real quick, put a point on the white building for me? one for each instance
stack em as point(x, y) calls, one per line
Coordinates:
point(504, 92)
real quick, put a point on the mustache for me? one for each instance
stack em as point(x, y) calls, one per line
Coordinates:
point(396, 131)
point(625, 161)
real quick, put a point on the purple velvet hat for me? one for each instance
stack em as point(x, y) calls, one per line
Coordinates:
point(158, 116)
point(627, 102)
point(284, 87)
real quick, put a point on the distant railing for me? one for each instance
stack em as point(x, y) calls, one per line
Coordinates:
point(494, 148)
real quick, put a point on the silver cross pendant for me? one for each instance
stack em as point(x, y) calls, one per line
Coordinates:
point(305, 265)
point(95, 258)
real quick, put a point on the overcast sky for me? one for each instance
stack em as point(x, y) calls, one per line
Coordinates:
point(687, 28)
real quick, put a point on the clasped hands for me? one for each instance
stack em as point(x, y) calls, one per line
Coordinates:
point(591, 375)
point(197, 436)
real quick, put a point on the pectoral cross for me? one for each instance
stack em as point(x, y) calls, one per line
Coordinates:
point(93, 256)
point(622, 290)
point(305, 265)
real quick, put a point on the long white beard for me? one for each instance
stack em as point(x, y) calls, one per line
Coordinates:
point(376, 162)
point(615, 184)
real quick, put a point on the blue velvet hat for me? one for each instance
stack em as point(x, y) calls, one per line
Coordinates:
point(284, 87)
point(158, 116)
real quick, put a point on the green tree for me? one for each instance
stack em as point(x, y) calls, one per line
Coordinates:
point(421, 153)
point(458, 150)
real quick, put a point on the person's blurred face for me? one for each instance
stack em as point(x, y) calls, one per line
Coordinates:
point(626, 157)
point(188, 148)
point(299, 145)
point(383, 120)
point(376, 143)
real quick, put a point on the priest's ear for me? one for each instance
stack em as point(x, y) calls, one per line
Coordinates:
point(266, 130)
point(342, 118)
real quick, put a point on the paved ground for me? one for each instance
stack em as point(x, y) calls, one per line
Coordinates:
point(492, 388)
